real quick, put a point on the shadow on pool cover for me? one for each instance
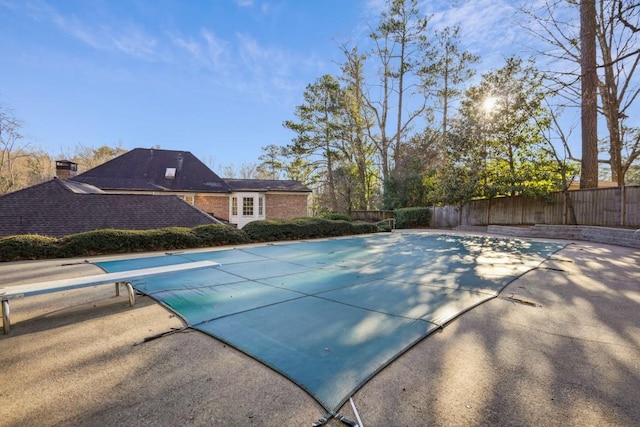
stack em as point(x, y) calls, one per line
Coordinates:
point(330, 314)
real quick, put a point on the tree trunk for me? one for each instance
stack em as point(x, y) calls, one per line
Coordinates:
point(589, 121)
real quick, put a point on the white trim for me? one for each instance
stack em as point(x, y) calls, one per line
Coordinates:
point(240, 219)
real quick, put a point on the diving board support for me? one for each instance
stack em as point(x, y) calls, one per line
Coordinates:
point(132, 294)
point(119, 278)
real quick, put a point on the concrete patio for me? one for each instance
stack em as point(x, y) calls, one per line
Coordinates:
point(570, 355)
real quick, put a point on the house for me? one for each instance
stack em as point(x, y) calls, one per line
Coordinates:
point(253, 199)
point(59, 207)
point(154, 171)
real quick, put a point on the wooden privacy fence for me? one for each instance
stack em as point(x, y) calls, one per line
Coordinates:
point(371, 216)
point(602, 207)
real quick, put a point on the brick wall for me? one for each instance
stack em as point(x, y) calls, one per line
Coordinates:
point(286, 206)
point(214, 204)
point(278, 206)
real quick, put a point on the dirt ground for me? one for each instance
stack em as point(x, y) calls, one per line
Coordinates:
point(572, 359)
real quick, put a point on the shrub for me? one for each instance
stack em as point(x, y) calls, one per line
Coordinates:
point(219, 234)
point(412, 217)
point(171, 238)
point(111, 241)
point(265, 230)
point(303, 228)
point(27, 246)
point(103, 241)
point(336, 216)
point(361, 227)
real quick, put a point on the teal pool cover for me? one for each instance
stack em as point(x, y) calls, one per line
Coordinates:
point(330, 314)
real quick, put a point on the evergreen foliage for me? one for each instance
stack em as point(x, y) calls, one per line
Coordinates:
point(336, 216)
point(110, 241)
point(28, 246)
point(304, 228)
point(412, 217)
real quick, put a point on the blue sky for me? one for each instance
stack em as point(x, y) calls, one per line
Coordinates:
point(215, 77)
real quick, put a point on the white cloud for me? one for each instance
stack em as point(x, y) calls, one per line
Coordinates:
point(192, 47)
point(128, 39)
point(216, 49)
point(267, 70)
point(490, 28)
point(245, 65)
point(375, 7)
point(133, 42)
point(487, 24)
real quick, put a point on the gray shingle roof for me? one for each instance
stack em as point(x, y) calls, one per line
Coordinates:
point(266, 185)
point(81, 187)
point(58, 208)
point(145, 169)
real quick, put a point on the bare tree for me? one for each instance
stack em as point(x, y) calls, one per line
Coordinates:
point(618, 58)
point(88, 157)
point(626, 10)
point(248, 171)
point(555, 136)
point(11, 150)
point(618, 90)
point(228, 171)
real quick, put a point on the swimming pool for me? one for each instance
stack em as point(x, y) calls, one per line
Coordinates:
point(329, 314)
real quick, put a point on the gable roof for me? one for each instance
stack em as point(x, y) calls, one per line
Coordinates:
point(267, 185)
point(146, 169)
point(58, 208)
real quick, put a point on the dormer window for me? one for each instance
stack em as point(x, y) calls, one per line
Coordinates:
point(170, 173)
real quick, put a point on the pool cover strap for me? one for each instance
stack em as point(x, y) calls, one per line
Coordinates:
point(327, 417)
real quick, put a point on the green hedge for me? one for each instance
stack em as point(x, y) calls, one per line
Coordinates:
point(219, 235)
point(335, 216)
point(412, 217)
point(110, 241)
point(28, 246)
point(303, 228)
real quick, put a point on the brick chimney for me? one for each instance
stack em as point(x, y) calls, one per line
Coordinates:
point(66, 169)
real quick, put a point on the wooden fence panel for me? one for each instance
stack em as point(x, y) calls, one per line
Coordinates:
point(445, 216)
point(601, 207)
point(534, 210)
point(475, 212)
point(371, 216)
point(597, 206)
point(506, 210)
point(555, 210)
point(633, 206)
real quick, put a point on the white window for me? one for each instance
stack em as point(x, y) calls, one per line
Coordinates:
point(247, 206)
point(234, 206)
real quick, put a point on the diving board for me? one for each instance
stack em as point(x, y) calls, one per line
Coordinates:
point(119, 278)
